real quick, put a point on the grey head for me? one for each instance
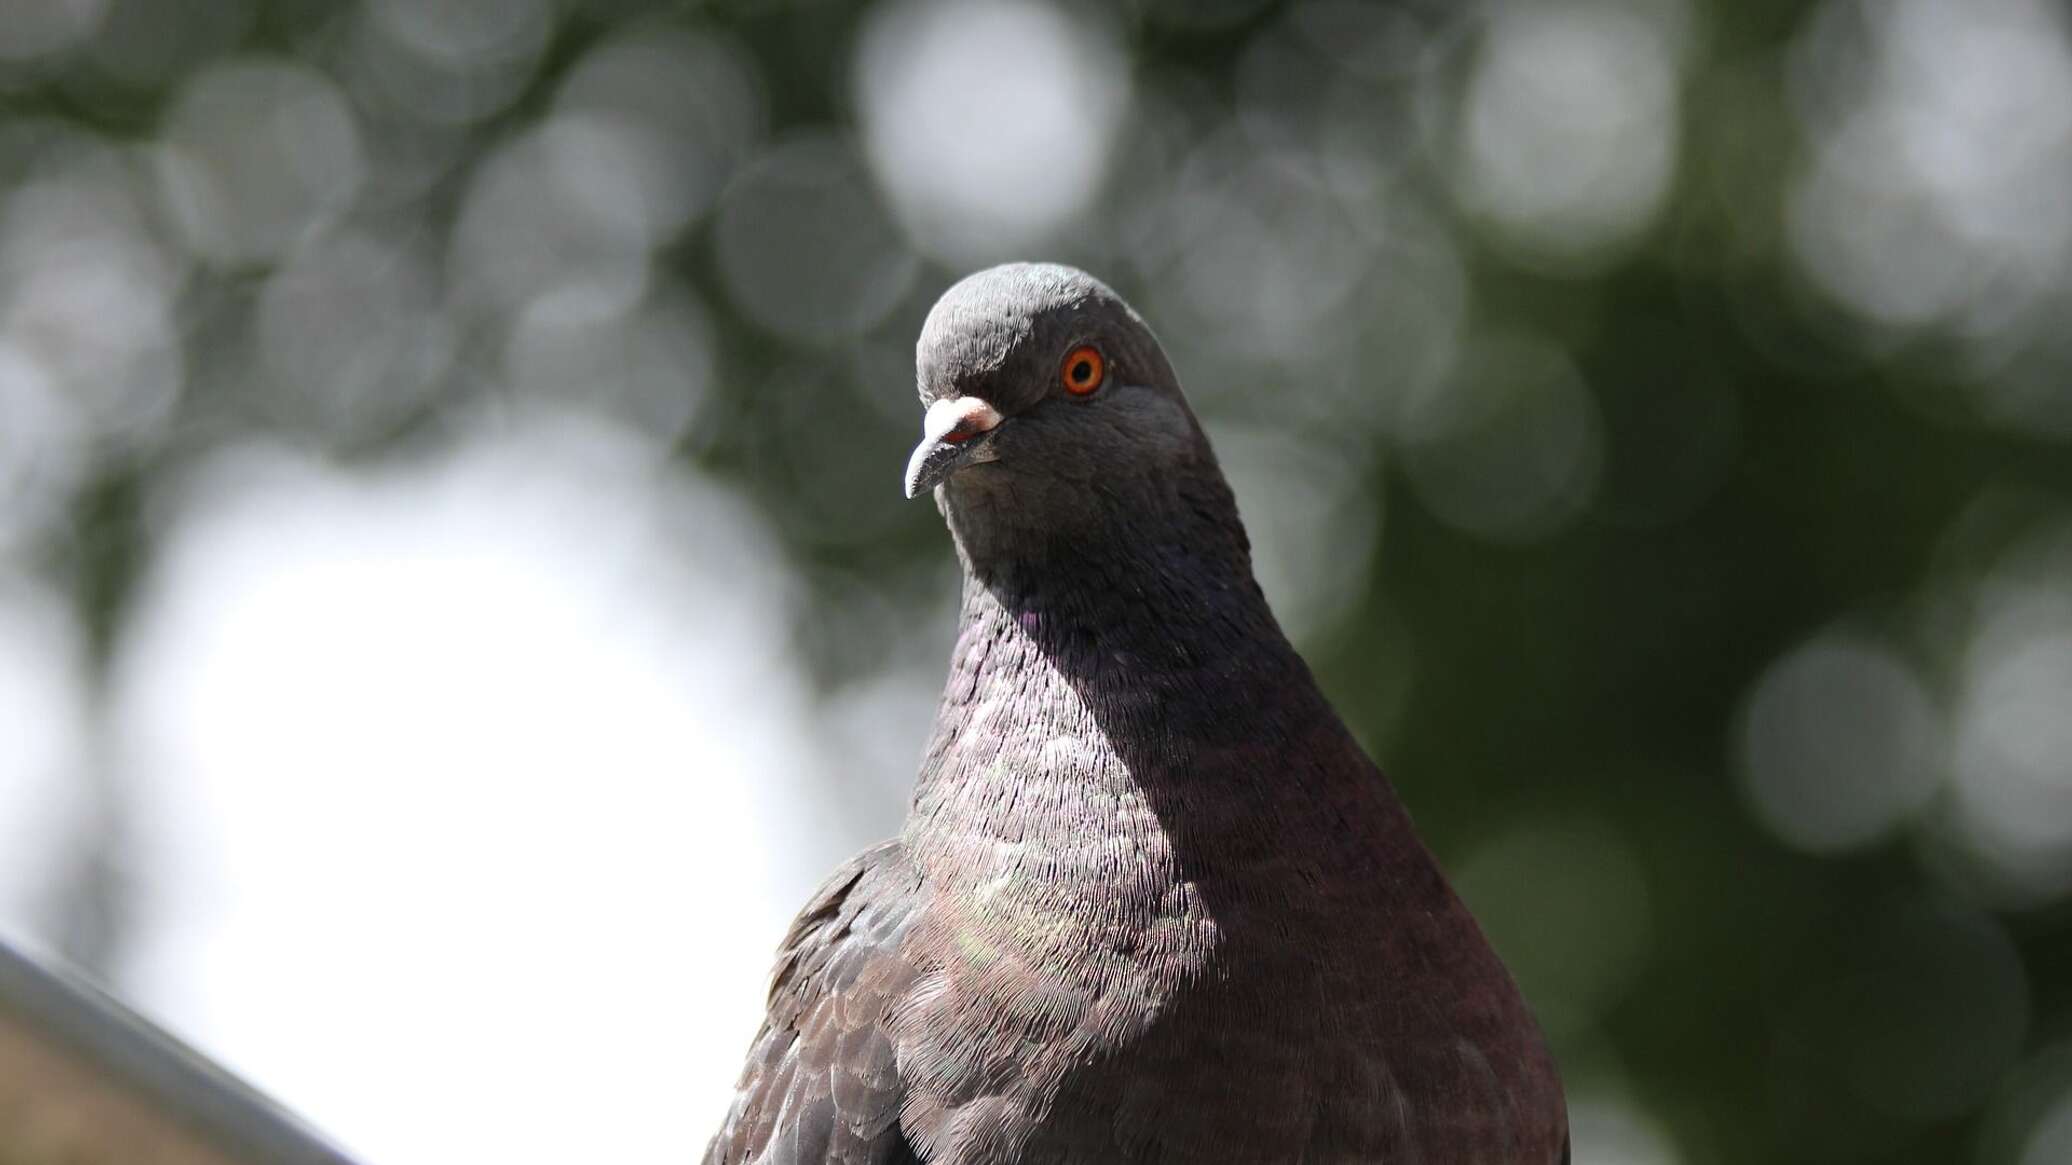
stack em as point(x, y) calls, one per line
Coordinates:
point(1051, 410)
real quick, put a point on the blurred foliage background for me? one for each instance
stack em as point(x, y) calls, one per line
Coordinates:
point(455, 596)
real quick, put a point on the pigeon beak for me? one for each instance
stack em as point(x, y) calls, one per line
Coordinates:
point(956, 432)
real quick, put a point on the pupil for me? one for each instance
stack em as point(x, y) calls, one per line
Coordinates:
point(1081, 371)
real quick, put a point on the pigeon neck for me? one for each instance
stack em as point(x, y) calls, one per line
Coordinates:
point(1136, 690)
point(1118, 605)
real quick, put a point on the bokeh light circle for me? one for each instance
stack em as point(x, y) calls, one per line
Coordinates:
point(806, 247)
point(988, 122)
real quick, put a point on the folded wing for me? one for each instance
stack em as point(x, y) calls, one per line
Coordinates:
point(821, 1086)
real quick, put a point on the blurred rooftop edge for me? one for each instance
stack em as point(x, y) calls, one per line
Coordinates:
point(86, 1081)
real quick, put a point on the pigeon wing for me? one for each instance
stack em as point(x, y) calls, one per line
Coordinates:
point(821, 1086)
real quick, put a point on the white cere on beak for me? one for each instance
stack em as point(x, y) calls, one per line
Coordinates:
point(951, 435)
point(959, 419)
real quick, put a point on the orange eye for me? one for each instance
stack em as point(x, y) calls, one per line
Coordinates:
point(1083, 370)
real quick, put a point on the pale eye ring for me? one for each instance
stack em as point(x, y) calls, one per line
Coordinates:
point(1083, 371)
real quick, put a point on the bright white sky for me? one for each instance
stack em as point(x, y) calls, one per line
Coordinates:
point(470, 792)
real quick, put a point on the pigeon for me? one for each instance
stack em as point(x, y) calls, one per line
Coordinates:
point(1152, 902)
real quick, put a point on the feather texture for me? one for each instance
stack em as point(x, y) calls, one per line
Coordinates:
point(821, 1085)
point(1152, 902)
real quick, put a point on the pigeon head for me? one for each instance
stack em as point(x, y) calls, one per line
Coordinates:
point(1050, 406)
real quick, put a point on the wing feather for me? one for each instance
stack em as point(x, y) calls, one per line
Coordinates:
point(821, 1086)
